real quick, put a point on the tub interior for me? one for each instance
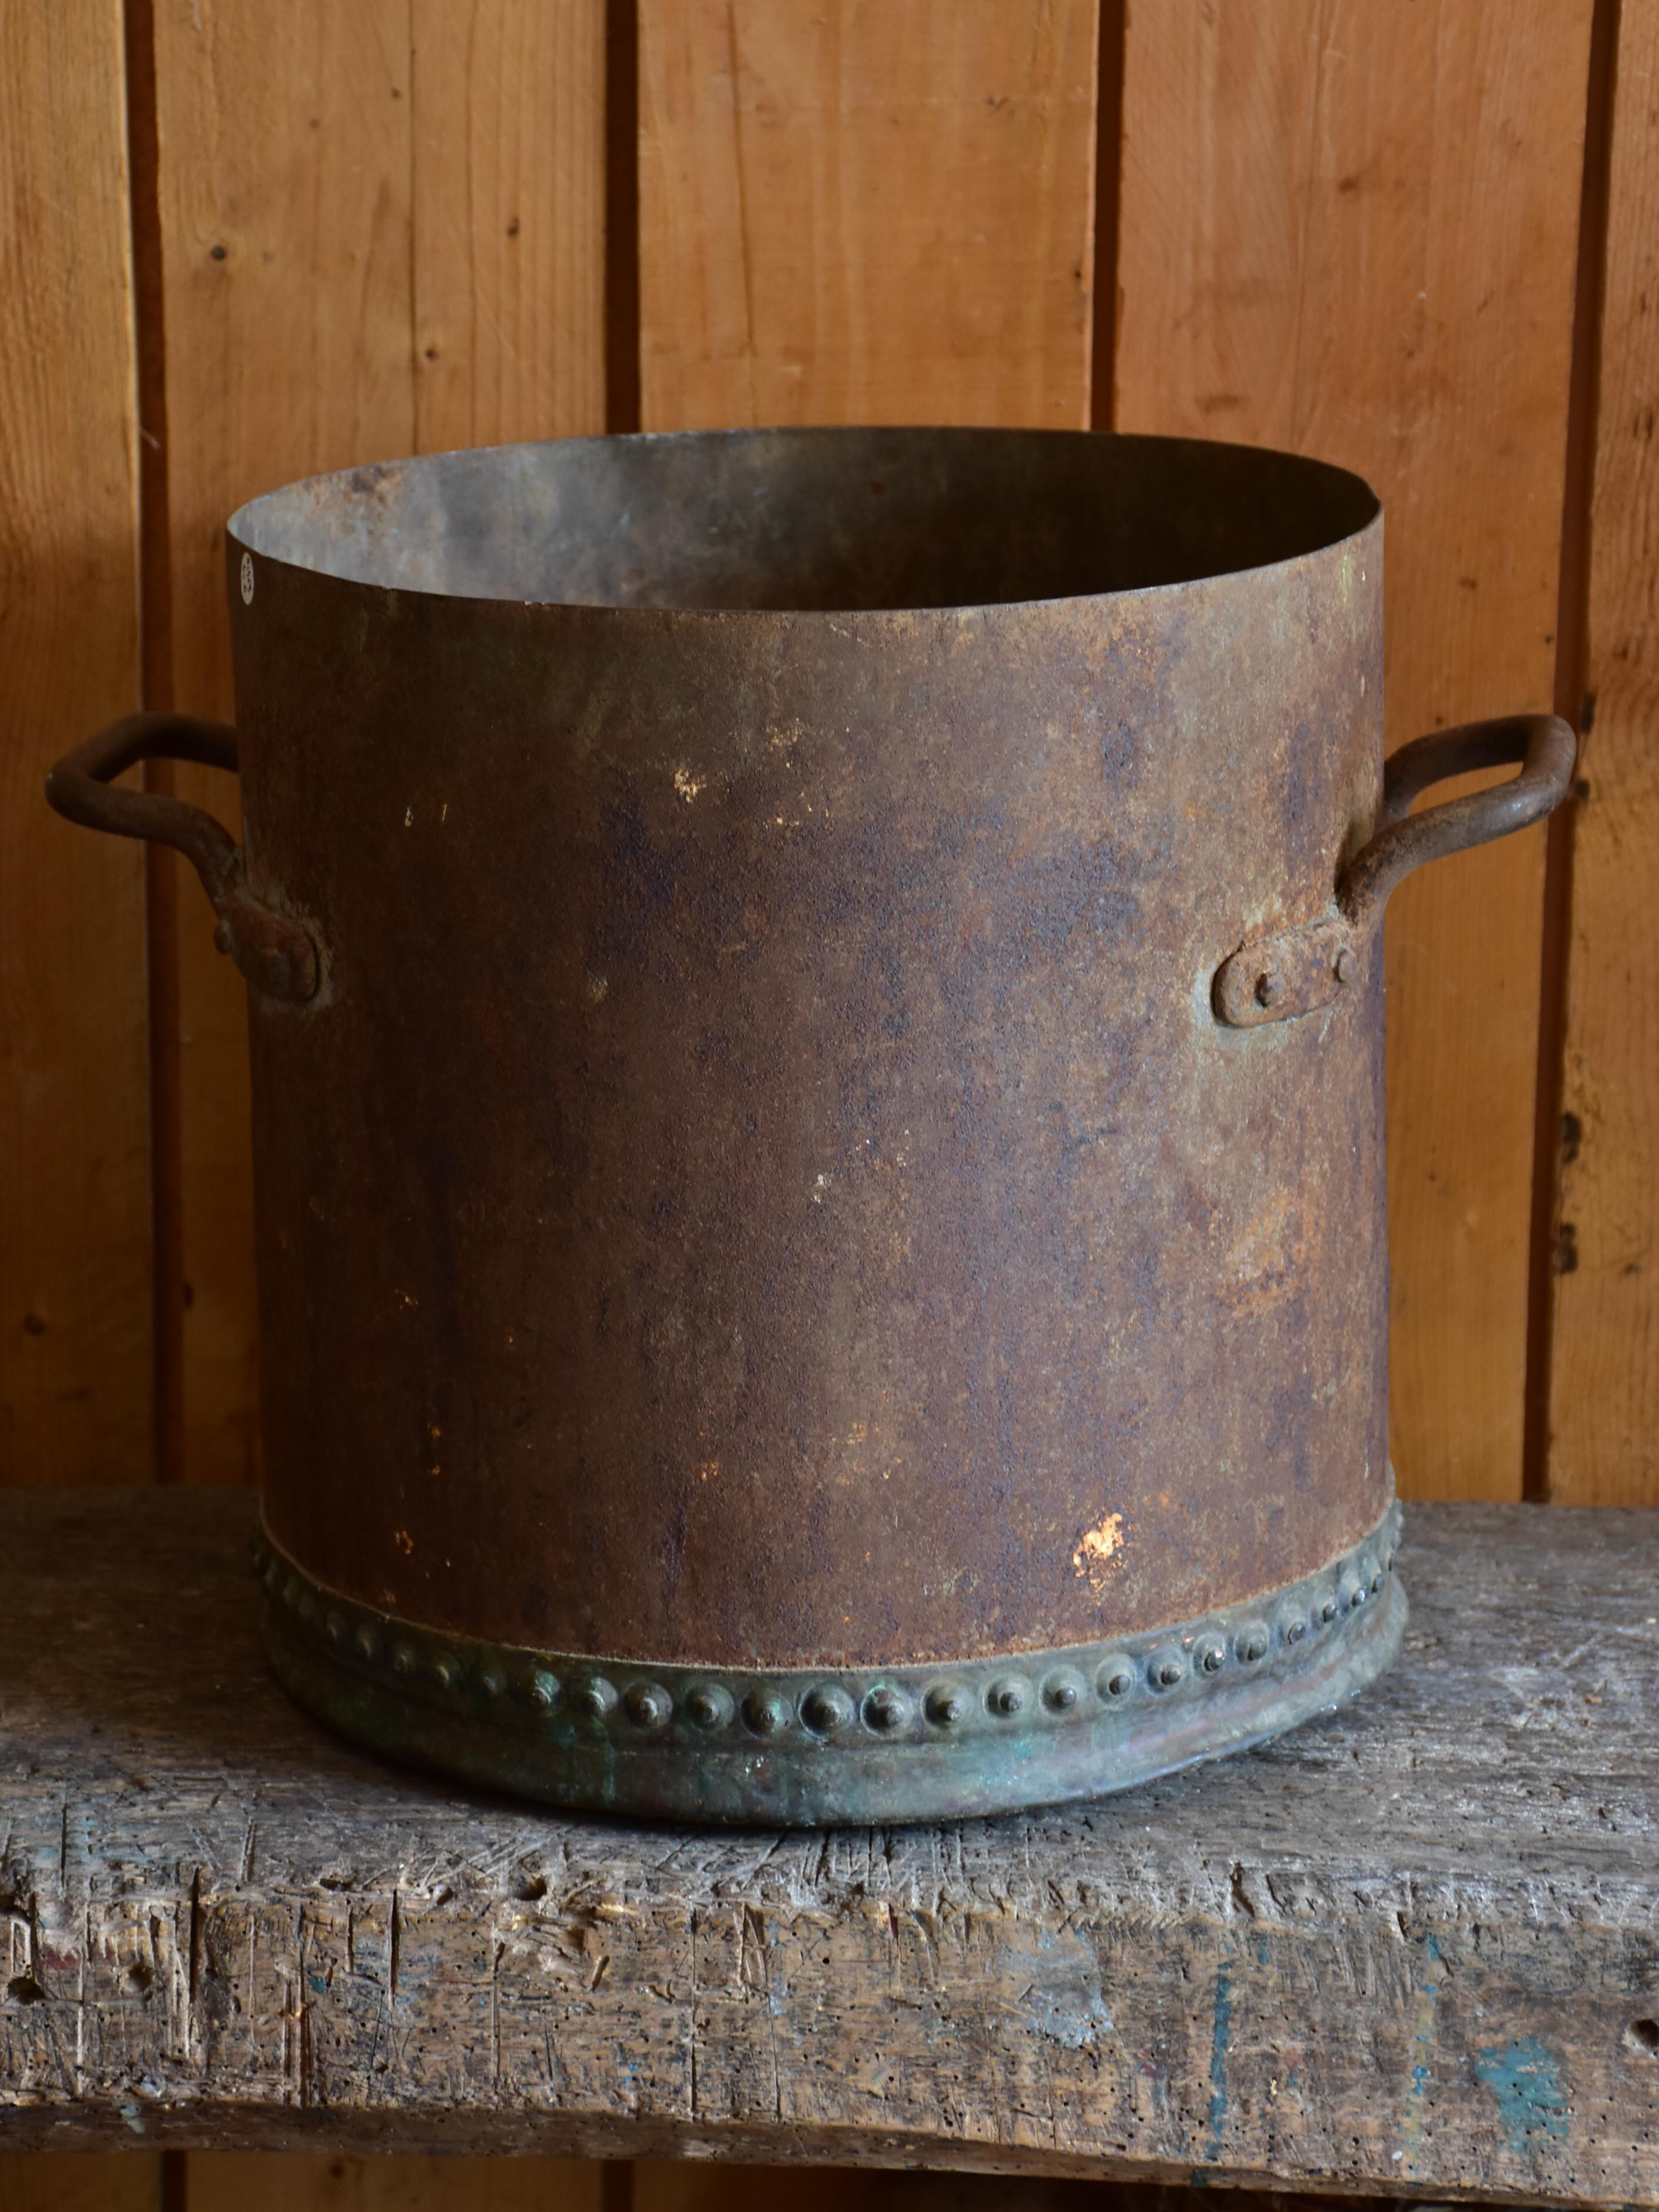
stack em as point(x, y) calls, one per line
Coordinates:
point(817, 519)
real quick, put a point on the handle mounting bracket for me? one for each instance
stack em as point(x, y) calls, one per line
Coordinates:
point(1297, 970)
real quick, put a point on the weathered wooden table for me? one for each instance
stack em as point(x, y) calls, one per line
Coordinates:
point(1415, 1948)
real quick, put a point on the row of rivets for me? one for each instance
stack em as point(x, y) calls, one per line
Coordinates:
point(828, 1710)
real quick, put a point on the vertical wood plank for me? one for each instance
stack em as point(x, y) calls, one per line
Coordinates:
point(75, 1283)
point(509, 220)
point(1605, 1371)
point(328, 302)
point(1350, 228)
point(867, 214)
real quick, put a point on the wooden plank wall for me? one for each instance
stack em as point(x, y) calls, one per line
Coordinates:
point(1418, 236)
point(74, 1326)
point(1605, 1366)
point(857, 214)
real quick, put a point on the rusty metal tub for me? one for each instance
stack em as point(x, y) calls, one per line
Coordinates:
point(816, 1014)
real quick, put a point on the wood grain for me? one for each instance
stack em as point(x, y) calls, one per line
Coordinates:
point(1412, 1946)
point(1604, 1446)
point(1350, 229)
point(78, 2181)
point(345, 283)
point(850, 213)
point(74, 1331)
point(661, 2185)
point(689, 2186)
point(509, 220)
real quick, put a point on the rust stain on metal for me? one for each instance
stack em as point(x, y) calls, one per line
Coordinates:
point(1269, 1259)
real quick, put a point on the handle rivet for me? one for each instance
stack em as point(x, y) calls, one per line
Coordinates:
point(1345, 963)
point(1269, 987)
point(222, 938)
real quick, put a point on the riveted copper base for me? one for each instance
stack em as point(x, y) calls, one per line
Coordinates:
point(828, 1747)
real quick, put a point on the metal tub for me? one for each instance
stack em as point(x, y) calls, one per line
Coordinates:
point(817, 1017)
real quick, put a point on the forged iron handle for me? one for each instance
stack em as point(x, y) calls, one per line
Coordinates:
point(1296, 971)
point(277, 955)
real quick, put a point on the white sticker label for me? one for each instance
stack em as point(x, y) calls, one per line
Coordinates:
point(247, 580)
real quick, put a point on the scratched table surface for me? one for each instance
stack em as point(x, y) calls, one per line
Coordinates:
point(1414, 1948)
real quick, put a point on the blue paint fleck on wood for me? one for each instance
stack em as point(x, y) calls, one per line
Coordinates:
point(1219, 2034)
point(1425, 1997)
point(1521, 2075)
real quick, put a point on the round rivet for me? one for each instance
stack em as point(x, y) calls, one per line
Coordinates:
point(1269, 987)
point(403, 1660)
point(648, 1707)
point(291, 1592)
point(1115, 1678)
point(492, 1682)
point(1328, 1610)
point(946, 1704)
point(445, 1672)
point(708, 1705)
point(1345, 964)
point(1062, 1690)
point(1376, 1580)
point(368, 1642)
point(1006, 1696)
point(273, 1575)
point(595, 1699)
point(1352, 1592)
point(543, 1691)
point(766, 1712)
point(306, 1607)
point(1209, 1654)
point(1294, 1628)
point(1168, 1668)
point(827, 1710)
point(334, 1628)
point(886, 1710)
point(1253, 1642)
